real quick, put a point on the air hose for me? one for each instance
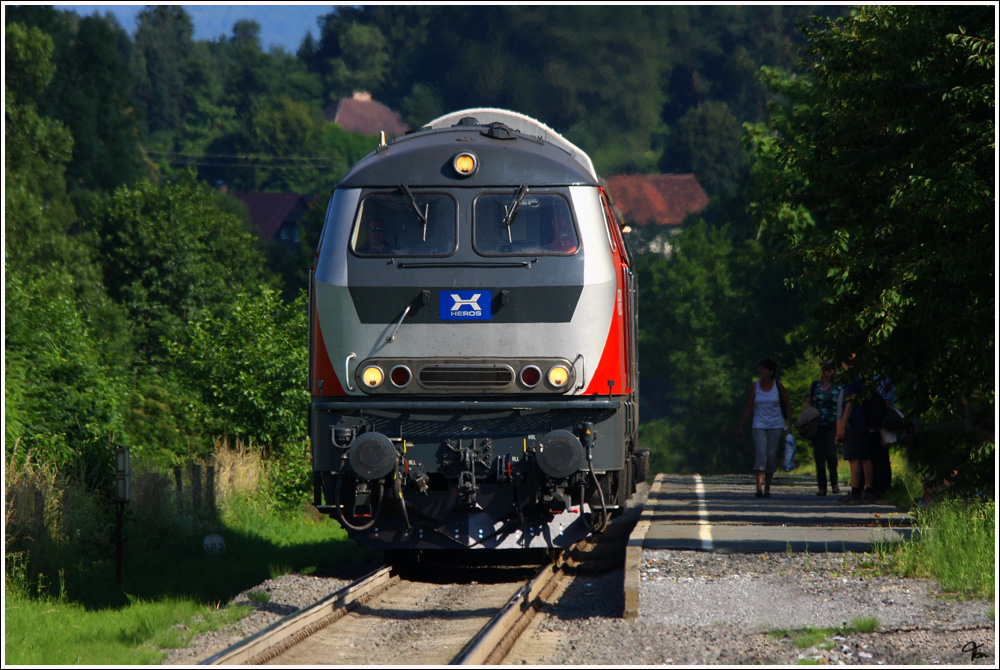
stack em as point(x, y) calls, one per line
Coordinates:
point(397, 487)
point(341, 517)
point(597, 528)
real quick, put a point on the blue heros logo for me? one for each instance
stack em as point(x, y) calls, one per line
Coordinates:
point(466, 305)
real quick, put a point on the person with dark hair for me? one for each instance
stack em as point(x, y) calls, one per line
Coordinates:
point(768, 402)
point(824, 395)
point(375, 243)
point(865, 406)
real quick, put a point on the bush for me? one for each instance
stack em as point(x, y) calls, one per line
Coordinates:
point(160, 423)
point(289, 479)
point(248, 370)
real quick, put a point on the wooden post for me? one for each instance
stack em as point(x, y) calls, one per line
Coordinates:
point(179, 488)
point(119, 507)
point(195, 487)
point(210, 487)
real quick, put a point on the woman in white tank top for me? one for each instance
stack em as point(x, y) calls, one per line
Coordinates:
point(766, 400)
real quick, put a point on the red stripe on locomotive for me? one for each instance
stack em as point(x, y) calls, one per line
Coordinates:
point(322, 368)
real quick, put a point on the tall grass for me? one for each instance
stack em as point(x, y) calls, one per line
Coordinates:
point(62, 604)
point(954, 541)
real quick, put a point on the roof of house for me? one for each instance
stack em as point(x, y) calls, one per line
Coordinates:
point(269, 210)
point(364, 116)
point(664, 199)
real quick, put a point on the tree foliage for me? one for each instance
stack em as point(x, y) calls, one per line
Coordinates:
point(66, 343)
point(878, 169)
point(706, 141)
point(171, 257)
point(567, 65)
point(881, 172)
point(248, 369)
point(164, 44)
point(89, 93)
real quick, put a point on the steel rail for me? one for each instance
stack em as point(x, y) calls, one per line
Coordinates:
point(292, 629)
point(497, 637)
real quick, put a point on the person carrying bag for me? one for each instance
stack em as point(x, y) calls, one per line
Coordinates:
point(819, 424)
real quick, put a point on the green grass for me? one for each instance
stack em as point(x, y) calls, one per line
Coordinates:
point(813, 637)
point(53, 632)
point(82, 617)
point(954, 542)
point(864, 624)
point(820, 638)
point(259, 597)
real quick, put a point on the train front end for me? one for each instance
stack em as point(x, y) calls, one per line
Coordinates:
point(471, 343)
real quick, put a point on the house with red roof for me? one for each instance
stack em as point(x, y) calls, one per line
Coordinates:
point(276, 216)
point(364, 116)
point(659, 199)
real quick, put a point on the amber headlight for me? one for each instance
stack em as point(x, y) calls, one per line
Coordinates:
point(465, 164)
point(372, 376)
point(558, 376)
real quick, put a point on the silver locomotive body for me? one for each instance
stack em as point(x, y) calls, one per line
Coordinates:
point(472, 359)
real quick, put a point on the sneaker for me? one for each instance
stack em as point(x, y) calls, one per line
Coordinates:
point(849, 499)
point(868, 499)
point(835, 489)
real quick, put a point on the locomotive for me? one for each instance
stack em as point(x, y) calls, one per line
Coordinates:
point(472, 344)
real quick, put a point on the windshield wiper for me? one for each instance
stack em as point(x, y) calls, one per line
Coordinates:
point(421, 216)
point(511, 212)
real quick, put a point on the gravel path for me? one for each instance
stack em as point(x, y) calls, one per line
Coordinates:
point(700, 608)
point(703, 609)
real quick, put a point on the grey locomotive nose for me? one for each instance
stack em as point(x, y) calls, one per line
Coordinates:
point(472, 342)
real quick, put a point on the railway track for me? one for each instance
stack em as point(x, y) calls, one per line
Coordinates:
point(384, 619)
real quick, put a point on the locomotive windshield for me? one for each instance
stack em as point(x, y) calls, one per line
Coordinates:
point(542, 224)
point(405, 223)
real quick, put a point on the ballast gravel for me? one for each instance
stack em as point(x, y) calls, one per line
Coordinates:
point(699, 608)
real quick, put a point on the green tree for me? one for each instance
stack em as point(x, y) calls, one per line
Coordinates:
point(361, 63)
point(66, 344)
point(284, 145)
point(90, 94)
point(163, 43)
point(707, 143)
point(248, 368)
point(423, 104)
point(879, 170)
point(171, 257)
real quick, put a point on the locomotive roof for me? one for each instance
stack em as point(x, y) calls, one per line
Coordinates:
point(511, 149)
